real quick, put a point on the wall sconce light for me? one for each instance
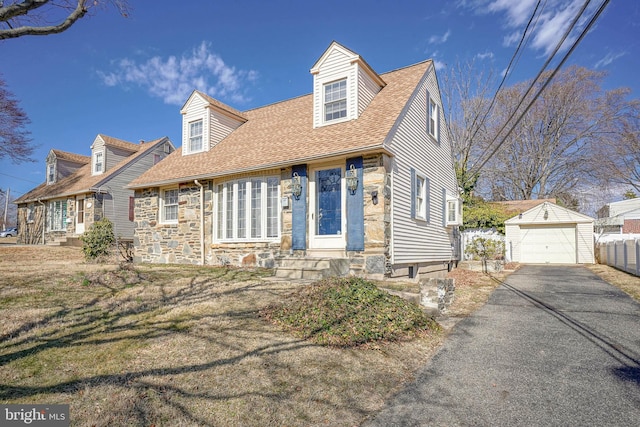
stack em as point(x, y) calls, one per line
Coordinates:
point(352, 179)
point(546, 214)
point(374, 197)
point(520, 215)
point(296, 185)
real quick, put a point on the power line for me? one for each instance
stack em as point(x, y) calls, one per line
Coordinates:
point(21, 179)
point(546, 83)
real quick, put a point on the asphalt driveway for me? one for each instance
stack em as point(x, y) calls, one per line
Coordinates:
point(554, 346)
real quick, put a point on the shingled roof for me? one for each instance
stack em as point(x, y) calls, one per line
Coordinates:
point(71, 157)
point(81, 181)
point(282, 134)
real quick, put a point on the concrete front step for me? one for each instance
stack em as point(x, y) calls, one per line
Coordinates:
point(311, 268)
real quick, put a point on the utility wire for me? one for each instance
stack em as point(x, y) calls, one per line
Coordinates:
point(546, 83)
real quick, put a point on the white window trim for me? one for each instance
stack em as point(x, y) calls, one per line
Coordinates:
point(221, 206)
point(323, 103)
point(421, 214)
point(432, 122)
point(94, 163)
point(457, 209)
point(188, 149)
point(162, 205)
point(51, 170)
point(57, 220)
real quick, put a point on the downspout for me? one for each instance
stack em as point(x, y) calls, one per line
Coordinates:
point(201, 221)
point(44, 218)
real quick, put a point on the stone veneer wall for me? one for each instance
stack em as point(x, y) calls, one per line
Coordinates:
point(179, 243)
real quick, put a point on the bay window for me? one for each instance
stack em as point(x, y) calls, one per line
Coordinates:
point(248, 209)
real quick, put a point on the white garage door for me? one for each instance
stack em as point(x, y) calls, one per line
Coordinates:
point(548, 244)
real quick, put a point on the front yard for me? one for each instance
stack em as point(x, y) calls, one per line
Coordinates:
point(170, 345)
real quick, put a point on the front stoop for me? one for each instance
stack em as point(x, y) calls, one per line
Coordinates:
point(311, 268)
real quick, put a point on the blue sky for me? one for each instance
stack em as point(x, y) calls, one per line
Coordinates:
point(128, 77)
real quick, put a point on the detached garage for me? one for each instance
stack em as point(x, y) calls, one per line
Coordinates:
point(550, 234)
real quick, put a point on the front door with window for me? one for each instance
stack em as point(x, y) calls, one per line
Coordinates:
point(79, 215)
point(326, 207)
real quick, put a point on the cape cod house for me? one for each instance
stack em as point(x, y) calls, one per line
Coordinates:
point(80, 190)
point(355, 178)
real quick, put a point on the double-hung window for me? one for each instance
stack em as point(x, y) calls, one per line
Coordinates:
point(57, 220)
point(248, 209)
point(169, 206)
point(433, 118)
point(453, 211)
point(51, 173)
point(195, 136)
point(420, 193)
point(335, 100)
point(98, 162)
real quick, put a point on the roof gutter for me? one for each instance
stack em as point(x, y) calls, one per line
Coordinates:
point(201, 221)
point(378, 148)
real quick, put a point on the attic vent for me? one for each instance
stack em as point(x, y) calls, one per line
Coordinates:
point(167, 149)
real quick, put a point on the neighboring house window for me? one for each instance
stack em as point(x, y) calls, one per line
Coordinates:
point(433, 125)
point(51, 173)
point(57, 215)
point(169, 206)
point(335, 100)
point(420, 193)
point(195, 136)
point(98, 162)
point(248, 209)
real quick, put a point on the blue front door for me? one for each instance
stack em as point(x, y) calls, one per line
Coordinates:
point(329, 202)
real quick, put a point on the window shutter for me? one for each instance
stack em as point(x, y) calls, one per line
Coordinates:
point(132, 202)
point(438, 123)
point(428, 113)
point(444, 207)
point(427, 199)
point(413, 193)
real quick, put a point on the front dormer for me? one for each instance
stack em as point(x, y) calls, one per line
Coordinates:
point(343, 85)
point(206, 122)
point(60, 164)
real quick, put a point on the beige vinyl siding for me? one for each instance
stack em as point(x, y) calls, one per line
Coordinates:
point(512, 241)
point(336, 66)
point(65, 168)
point(415, 240)
point(585, 243)
point(367, 89)
point(117, 210)
point(220, 126)
point(114, 155)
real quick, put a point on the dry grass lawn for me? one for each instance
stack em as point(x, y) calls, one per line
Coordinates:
point(167, 345)
point(186, 346)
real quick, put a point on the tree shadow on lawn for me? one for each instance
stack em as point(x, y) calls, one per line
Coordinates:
point(146, 312)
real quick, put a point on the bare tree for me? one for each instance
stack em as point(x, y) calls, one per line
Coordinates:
point(550, 152)
point(14, 137)
point(42, 17)
point(467, 90)
point(617, 163)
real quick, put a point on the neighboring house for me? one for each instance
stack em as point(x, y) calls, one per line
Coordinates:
point(358, 172)
point(80, 190)
point(548, 233)
point(621, 217)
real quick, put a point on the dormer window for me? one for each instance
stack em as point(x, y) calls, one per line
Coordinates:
point(51, 173)
point(195, 136)
point(335, 100)
point(98, 163)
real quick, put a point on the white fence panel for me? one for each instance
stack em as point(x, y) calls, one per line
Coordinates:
point(621, 254)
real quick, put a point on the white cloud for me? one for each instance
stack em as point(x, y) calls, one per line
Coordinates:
point(440, 39)
point(553, 20)
point(485, 55)
point(609, 58)
point(173, 79)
